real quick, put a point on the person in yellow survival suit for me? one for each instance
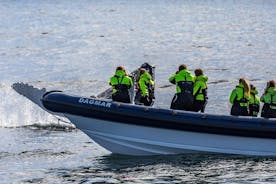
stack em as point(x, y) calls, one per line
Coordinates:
point(145, 83)
point(200, 91)
point(254, 101)
point(269, 100)
point(239, 99)
point(121, 83)
point(184, 81)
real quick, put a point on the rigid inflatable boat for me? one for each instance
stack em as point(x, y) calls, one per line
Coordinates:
point(138, 130)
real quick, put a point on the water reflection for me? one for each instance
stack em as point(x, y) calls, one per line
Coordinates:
point(199, 167)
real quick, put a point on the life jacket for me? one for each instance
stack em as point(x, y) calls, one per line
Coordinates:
point(272, 101)
point(200, 93)
point(254, 103)
point(183, 100)
point(145, 92)
point(146, 84)
point(243, 101)
point(184, 81)
point(240, 101)
point(270, 98)
point(121, 84)
point(254, 99)
point(120, 88)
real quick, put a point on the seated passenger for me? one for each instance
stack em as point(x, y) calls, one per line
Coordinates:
point(269, 100)
point(145, 87)
point(184, 81)
point(121, 83)
point(200, 91)
point(239, 99)
point(254, 102)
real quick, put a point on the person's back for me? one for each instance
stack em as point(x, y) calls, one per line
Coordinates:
point(145, 83)
point(184, 80)
point(200, 91)
point(239, 99)
point(269, 100)
point(254, 102)
point(121, 84)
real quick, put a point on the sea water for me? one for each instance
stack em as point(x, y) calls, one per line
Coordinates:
point(75, 46)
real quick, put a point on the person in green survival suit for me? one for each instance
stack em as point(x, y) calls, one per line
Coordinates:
point(239, 99)
point(200, 91)
point(269, 100)
point(184, 81)
point(254, 101)
point(145, 84)
point(121, 83)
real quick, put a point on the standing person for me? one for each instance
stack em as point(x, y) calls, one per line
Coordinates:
point(239, 99)
point(254, 101)
point(184, 81)
point(121, 83)
point(200, 91)
point(145, 83)
point(269, 100)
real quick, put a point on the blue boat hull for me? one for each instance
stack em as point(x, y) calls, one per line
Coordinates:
point(110, 123)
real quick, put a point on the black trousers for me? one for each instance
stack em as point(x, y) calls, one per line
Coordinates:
point(254, 110)
point(238, 110)
point(182, 101)
point(199, 105)
point(267, 112)
point(121, 97)
point(146, 100)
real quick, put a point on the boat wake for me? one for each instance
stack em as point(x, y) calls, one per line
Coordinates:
point(55, 126)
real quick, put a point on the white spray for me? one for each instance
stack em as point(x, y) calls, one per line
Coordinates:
point(16, 110)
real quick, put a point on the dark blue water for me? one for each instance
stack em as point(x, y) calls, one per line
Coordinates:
point(75, 46)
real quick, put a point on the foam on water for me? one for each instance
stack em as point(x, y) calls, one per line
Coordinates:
point(16, 110)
